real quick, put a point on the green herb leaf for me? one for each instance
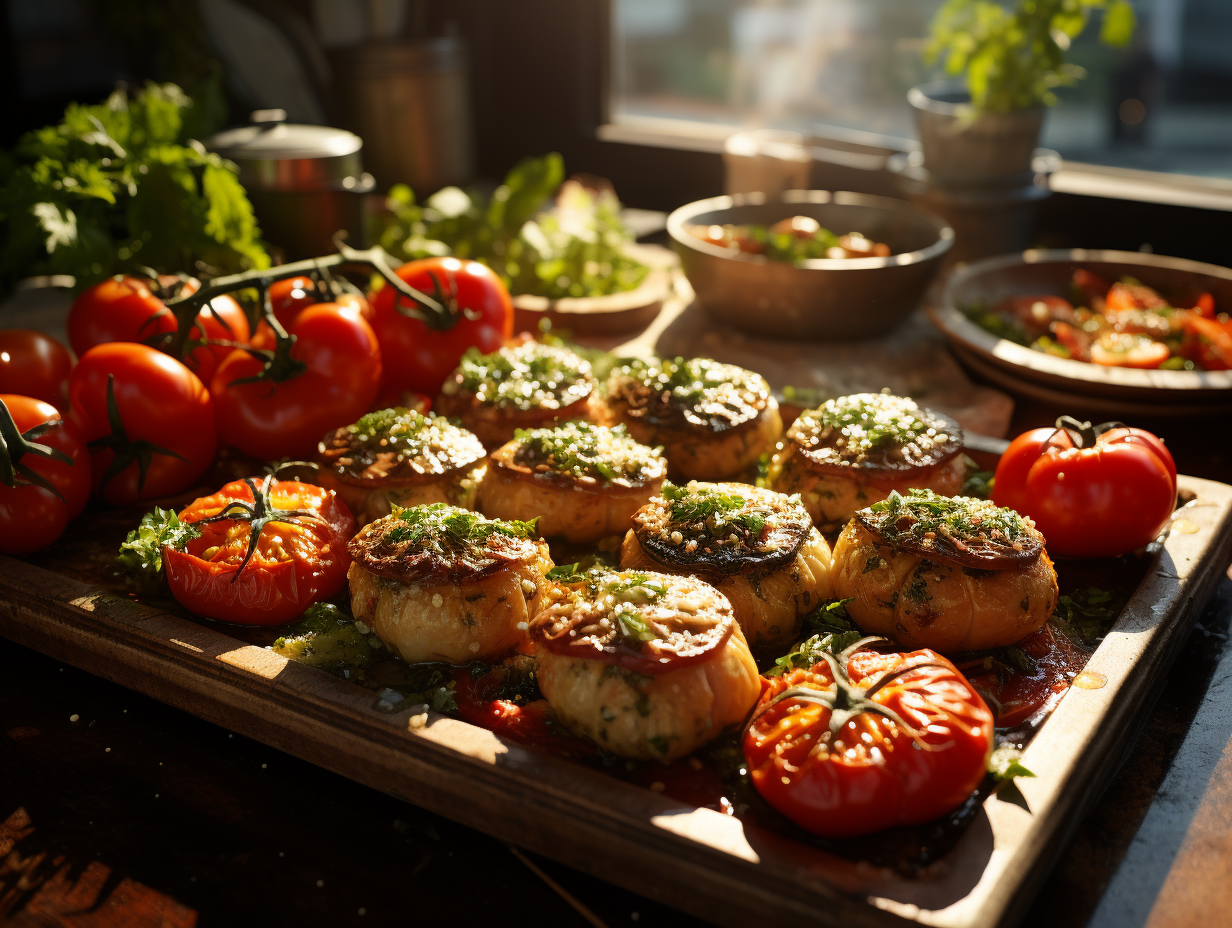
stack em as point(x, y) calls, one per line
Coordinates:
point(141, 554)
point(1005, 764)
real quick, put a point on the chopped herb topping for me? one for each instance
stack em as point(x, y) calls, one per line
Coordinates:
point(721, 526)
point(642, 621)
point(450, 526)
point(439, 543)
point(698, 392)
point(529, 376)
point(579, 449)
point(875, 430)
point(957, 530)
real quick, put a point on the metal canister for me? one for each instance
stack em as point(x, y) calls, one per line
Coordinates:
point(305, 182)
point(409, 101)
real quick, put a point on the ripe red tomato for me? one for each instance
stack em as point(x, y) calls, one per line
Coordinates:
point(420, 354)
point(34, 364)
point(118, 309)
point(159, 437)
point(291, 296)
point(866, 774)
point(125, 309)
point(31, 515)
point(222, 319)
point(297, 559)
point(1094, 491)
point(336, 373)
point(1123, 296)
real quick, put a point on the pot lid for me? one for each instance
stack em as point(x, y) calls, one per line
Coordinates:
point(271, 138)
point(273, 154)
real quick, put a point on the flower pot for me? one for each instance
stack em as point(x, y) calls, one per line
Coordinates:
point(963, 149)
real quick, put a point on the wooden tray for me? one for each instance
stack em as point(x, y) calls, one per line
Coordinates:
point(692, 858)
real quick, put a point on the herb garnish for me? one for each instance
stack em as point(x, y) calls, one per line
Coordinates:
point(141, 554)
point(1086, 616)
point(957, 530)
point(530, 376)
point(439, 524)
point(704, 392)
point(702, 509)
point(831, 630)
point(581, 449)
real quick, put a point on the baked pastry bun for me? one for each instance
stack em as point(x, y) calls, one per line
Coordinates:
point(399, 457)
point(649, 666)
point(855, 450)
point(582, 481)
point(524, 386)
point(756, 547)
point(713, 420)
point(438, 583)
point(951, 574)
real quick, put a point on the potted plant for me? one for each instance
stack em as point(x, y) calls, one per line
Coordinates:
point(1011, 59)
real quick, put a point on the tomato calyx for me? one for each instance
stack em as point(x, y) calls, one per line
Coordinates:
point(449, 315)
point(1084, 434)
point(125, 450)
point(15, 445)
point(187, 307)
point(259, 513)
point(847, 699)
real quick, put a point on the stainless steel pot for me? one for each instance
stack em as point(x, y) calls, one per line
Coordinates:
point(305, 182)
point(966, 149)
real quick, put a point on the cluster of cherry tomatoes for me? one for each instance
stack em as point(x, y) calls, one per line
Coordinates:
point(128, 422)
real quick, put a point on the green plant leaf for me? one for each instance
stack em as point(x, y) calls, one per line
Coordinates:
point(1119, 24)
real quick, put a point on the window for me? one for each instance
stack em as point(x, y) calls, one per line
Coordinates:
point(1164, 104)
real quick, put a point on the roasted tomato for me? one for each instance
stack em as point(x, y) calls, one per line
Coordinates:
point(1123, 296)
point(34, 364)
point(148, 418)
point(44, 474)
point(1093, 491)
point(265, 551)
point(1208, 342)
point(130, 309)
point(914, 748)
point(421, 349)
point(1089, 289)
point(326, 378)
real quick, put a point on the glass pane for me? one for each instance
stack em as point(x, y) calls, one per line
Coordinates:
point(1163, 104)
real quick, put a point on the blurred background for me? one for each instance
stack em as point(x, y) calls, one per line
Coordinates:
point(669, 67)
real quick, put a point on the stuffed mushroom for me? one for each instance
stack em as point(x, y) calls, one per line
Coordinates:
point(855, 450)
point(398, 457)
point(756, 547)
point(952, 574)
point(524, 386)
point(582, 481)
point(438, 583)
point(649, 666)
point(713, 420)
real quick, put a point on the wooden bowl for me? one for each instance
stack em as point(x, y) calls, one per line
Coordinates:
point(1114, 390)
point(821, 297)
point(614, 314)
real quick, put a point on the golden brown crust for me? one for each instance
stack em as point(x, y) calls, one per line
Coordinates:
point(918, 602)
point(832, 499)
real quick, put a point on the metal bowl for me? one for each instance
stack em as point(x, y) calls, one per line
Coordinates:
point(819, 298)
point(1105, 390)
